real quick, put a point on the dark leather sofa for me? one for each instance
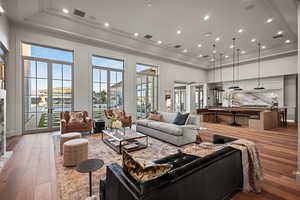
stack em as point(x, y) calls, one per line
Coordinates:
point(217, 176)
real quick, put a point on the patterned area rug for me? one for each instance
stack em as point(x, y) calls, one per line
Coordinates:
point(75, 186)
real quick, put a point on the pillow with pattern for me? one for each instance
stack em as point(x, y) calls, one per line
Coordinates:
point(155, 117)
point(142, 170)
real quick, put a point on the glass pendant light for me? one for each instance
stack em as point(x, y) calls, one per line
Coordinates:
point(238, 70)
point(259, 85)
point(233, 65)
point(221, 74)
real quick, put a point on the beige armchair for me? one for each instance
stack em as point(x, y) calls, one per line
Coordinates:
point(75, 121)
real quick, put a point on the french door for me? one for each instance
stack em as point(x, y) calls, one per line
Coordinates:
point(180, 99)
point(47, 91)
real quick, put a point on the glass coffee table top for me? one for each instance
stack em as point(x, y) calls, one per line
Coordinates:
point(124, 139)
point(123, 134)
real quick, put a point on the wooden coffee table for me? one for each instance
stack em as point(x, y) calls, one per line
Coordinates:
point(124, 139)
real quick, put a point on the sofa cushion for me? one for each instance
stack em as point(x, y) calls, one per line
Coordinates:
point(142, 170)
point(143, 122)
point(167, 117)
point(180, 119)
point(171, 129)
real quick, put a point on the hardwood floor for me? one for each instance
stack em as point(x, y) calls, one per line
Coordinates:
point(278, 153)
point(30, 173)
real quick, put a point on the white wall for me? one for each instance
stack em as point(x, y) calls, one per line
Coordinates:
point(168, 73)
point(4, 30)
point(298, 171)
point(269, 68)
point(290, 96)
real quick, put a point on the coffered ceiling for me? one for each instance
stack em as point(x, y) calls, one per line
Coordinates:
point(126, 23)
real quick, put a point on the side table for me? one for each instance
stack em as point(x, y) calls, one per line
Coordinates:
point(88, 166)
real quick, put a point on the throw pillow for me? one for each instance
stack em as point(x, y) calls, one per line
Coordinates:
point(155, 117)
point(118, 114)
point(76, 117)
point(142, 170)
point(180, 119)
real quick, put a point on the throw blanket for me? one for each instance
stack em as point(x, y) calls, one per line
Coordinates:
point(252, 170)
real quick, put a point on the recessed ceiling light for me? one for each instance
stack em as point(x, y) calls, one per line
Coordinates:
point(136, 34)
point(279, 32)
point(226, 56)
point(243, 52)
point(1, 9)
point(200, 56)
point(206, 17)
point(159, 42)
point(253, 40)
point(64, 10)
point(212, 60)
point(240, 30)
point(178, 32)
point(214, 51)
point(269, 20)
point(288, 41)
point(217, 39)
point(231, 46)
point(184, 50)
point(106, 24)
point(263, 47)
point(199, 45)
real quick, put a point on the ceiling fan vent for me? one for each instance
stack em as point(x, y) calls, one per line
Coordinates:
point(205, 56)
point(148, 36)
point(177, 46)
point(79, 13)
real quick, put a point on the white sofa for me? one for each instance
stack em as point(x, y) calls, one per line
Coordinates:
point(167, 131)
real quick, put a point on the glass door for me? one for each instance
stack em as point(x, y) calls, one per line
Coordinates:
point(47, 92)
point(180, 99)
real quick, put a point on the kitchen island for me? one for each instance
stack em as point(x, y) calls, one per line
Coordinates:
point(262, 118)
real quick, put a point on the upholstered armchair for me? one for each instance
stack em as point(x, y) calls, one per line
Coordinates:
point(119, 115)
point(75, 121)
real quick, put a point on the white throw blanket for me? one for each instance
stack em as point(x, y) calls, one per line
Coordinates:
point(252, 170)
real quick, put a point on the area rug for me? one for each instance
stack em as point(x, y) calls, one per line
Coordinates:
point(73, 185)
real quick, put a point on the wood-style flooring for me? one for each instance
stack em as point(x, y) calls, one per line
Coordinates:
point(30, 173)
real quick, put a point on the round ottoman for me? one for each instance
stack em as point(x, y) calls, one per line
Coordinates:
point(75, 151)
point(66, 137)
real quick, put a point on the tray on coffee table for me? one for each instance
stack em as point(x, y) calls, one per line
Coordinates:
point(124, 139)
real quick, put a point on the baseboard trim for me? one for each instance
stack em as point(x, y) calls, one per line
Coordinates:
point(13, 133)
point(298, 177)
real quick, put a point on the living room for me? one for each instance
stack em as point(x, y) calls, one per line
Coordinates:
point(187, 79)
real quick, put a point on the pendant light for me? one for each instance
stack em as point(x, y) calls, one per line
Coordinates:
point(259, 85)
point(221, 74)
point(233, 65)
point(238, 71)
point(214, 66)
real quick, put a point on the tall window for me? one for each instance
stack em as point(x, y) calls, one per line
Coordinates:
point(2, 66)
point(180, 99)
point(199, 97)
point(107, 84)
point(48, 80)
point(146, 89)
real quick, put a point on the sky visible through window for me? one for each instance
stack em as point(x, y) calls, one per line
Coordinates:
point(106, 62)
point(40, 69)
